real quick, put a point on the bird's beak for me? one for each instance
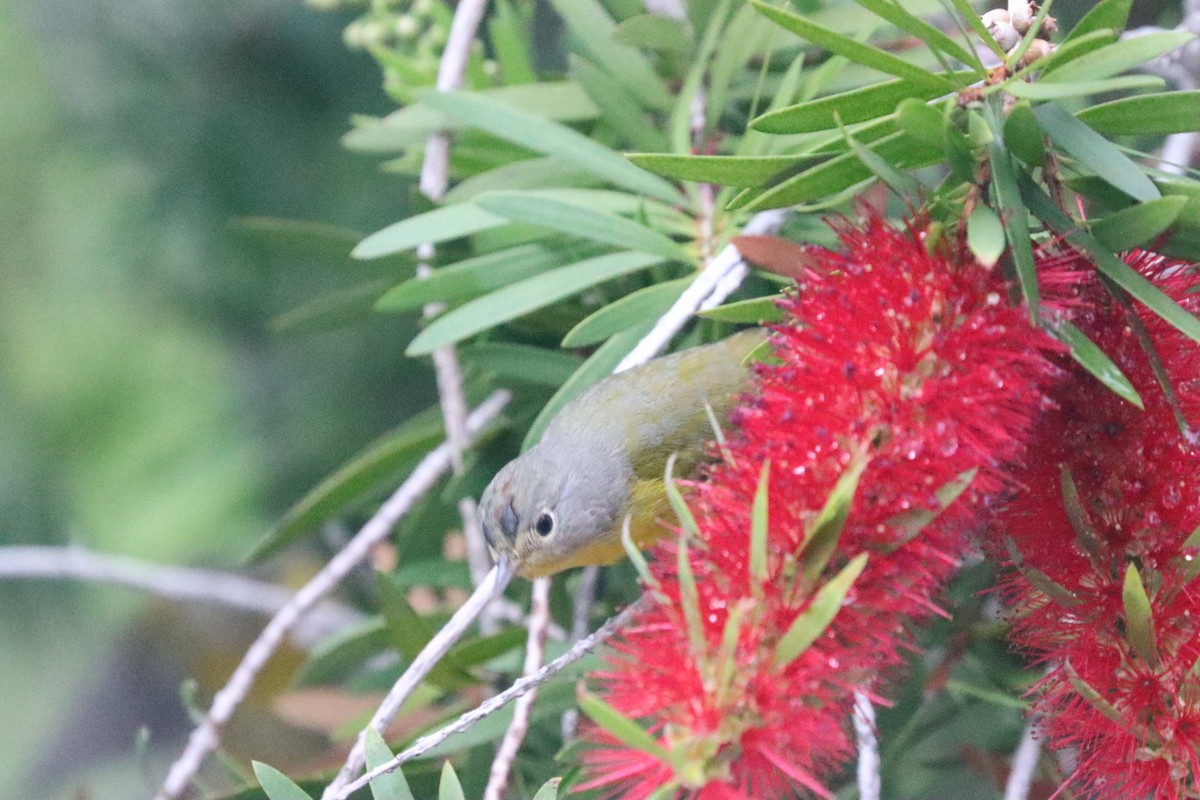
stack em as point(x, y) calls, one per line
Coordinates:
point(505, 569)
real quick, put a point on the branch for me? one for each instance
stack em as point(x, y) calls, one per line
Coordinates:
point(488, 707)
point(869, 782)
point(1024, 763)
point(723, 274)
point(176, 583)
point(205, 736)
point(539, 619)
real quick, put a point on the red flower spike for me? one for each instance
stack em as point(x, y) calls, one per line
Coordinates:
point(910, 360)
point(1136, 481)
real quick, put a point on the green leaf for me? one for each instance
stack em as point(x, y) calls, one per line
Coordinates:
point(971, 17)
point(722, 170)
point(1086, 535)
point(1109, 265)
point(364, 472)
point(508, 34)
point(653, 32)
point(339, 654)
point(390, 785)
point(759, 527)
point(621, 727)
point(594, 29)
point(438, 225)
point(1159, 113)
point(564, 101)
point(1094, 360)
point(1073, 49)
point(857, 105)
point(1040, 580)
point(911, 522)
point(301, 236)
point(1139, 224)
point(904, 186)
point(929, 34)
point(985, 235)
point(1051, 90)
point(1023, 135)
point(647, 303)
point(277, 785)
point(331, 310)
point(821, 538)
point(529, 173)
point(521, 362)
point(1091, 695)
point(1106, 14)
point(449, 788)
point(1139, 619)
point(1119, 57)
point(524, 297)
point(687, 520)
point(753, 311)
point(683, 114)
point(599, 365)
point(689, 599)
point(854, 50)
point(583, 221)
point(550, 138)
point(472, 277)
point(549, 790)
point(813, 621)
point(1095, 152)
point(618, 108)
point(1016, 221)
point(409, 634)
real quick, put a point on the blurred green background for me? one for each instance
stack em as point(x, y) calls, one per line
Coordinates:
point(147, 405)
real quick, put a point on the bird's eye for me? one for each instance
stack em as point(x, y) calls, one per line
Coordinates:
point(545, 523)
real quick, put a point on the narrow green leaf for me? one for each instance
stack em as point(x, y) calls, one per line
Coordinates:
point(594, 29)
point(550, 138)
point(753, 311)
point(1015, 219)
point(689, 599)
point(929, 34)
point(678, 504)
point(821, 538)
point(722, 170)
point(597, 366)
point(985, 235)
point(1191, 560)
point(759, 526)
point(683, 110)
point(1139, 619)
point(449, 788)
point(635, 556)
point(549, 790)
point(390, 785)
point(1075, 48)
point(812, 622)
point(299, 236)
point(1094, 360)
point(1109, 265)
point(1119, 56)
point(1091, 695)
point(971, 17)
point(1139, 224)
point(647, 303)
point(856, 105)
point(339, 654)
point(726, 661)
point(522, 363)
point(277, 785)
point(747, 36)
point(1040, 580)
point(1095, 152)
point(854, 50)
point(1086, 535)
point(438, 225)
point(331, 310)
point(620, 726)
point(529, 173)
point(508, 34)
point(653, 32)
point(472, 277)
point(1023, 135)
point(380, 460)
point(582, 221)
point(1106, 14)
point(409, 634)
point(911, 522)
point(524, 297)
point(618, 107)
point(904, 186)
point(1051, 90)
point(1159, 113)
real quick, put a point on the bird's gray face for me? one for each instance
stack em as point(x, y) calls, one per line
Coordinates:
point(538, 513)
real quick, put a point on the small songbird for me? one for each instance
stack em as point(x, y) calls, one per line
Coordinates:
point(563, 502)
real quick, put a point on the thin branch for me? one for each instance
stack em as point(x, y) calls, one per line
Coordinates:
point(1024, 763)
point(725, 272)
point(506, 753)
point(176, 583)
point(869, 781)
point(488, 707)
point(206, 735)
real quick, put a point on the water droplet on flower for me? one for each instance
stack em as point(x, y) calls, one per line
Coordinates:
point(1172, 496)
point(911, 455)
point(834, 663)
point(948, 447)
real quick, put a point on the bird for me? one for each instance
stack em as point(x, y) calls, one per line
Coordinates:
point(602, 458)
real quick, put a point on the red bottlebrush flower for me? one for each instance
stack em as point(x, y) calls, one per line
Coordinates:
point(1120, 687)
point(907, 363)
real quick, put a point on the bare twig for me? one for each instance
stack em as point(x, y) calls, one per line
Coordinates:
point(869, 782)
point(176, 583)
point(506, 753)
point(205, 736)
point(1024, 763)
point(725, 272)
point(488, 707)
point(427, 659)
